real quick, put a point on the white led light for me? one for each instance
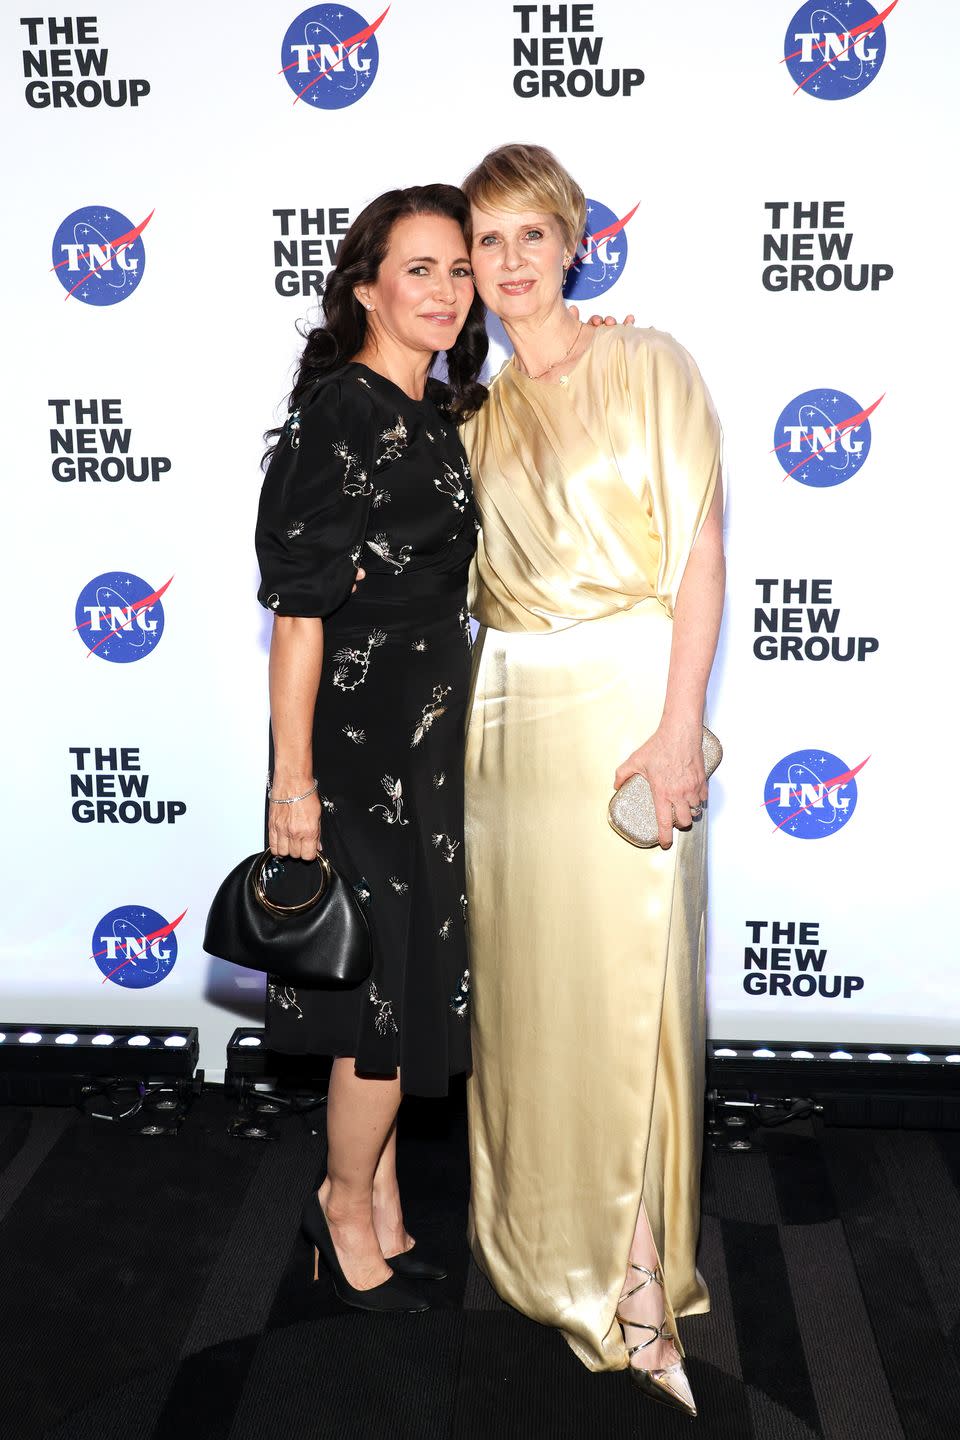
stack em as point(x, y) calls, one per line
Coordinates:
point(102, 1040)
point(67, 1038)
point(801, 1054)
point(764, 1055)
point(727, 1054)
point(917, 1057)
point(249, 1040)
point(139, 1040)
point(175, 1042)
point(952, 1059)
point(30, 1037)
point(878, 1055)
point(840, 1055)
point(2, 1037)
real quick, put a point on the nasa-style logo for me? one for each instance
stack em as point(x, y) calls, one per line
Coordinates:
point(601, 254)
point(135, 946)
point(98, 255)
point(330, 56)
point(835, 50)
point(811, 794)
point(823, 437)
point(119, 617)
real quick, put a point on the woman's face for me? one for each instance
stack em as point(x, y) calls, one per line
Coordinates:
point(424, 289)
point(518, 262)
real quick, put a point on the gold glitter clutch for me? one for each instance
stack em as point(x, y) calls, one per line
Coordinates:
point(631, 811)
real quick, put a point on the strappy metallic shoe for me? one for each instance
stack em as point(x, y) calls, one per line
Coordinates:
point(670, 1386)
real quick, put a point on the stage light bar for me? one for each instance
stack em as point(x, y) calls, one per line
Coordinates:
point(853, 1084)
point(50, 1064)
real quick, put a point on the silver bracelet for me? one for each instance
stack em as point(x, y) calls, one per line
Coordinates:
point(293, 798)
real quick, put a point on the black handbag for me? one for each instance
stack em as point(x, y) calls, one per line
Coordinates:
point(322, 941)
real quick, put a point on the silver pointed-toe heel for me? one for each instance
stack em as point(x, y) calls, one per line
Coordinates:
point(669, 1386)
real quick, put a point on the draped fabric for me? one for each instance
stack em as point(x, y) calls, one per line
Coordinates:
point(591, 492)
point(587, 954)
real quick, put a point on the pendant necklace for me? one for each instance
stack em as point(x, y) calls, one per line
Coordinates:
point(554, 363)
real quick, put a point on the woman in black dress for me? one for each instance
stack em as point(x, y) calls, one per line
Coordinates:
point(368, 694)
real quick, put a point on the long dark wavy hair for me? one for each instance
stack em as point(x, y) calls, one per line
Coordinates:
point(344, 327)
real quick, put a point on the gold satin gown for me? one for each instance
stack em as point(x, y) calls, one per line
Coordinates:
point(587, 954)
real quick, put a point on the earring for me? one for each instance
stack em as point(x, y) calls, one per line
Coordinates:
point(369, 307)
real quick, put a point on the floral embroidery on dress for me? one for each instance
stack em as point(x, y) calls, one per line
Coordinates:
point(463, 906)
point(400, 886)
point(273, 601)
point(353, 666)
point(327, 804)
point(460, 999)
point(381, 545)
point(295, 529)
point(292, 429)
point(362, 891)
point(419, 645)
point(394, 442)
point(355, 480)
point(383, 1021)
point(380, 497)
point(394, 815)
point(464, 620)
point(445, 928)
point(361, 381)
point(357, 736)
point(431, 713)
point(447, 846)
point(439, 780)
point(285, 996)
point(451, 485)
point(355, 554)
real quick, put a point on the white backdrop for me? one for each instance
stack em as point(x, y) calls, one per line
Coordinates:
point(185, 119)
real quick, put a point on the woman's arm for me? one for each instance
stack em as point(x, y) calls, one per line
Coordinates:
point(296, 659)
point(672, 759)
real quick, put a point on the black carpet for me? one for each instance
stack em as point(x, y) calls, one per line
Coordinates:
point(157, 1289)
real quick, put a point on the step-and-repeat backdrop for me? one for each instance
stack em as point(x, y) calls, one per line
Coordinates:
point(768, 182)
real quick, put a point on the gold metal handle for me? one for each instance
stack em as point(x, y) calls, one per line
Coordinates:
point(259, 888)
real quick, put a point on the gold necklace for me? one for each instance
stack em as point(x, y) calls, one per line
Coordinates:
point(554, 363)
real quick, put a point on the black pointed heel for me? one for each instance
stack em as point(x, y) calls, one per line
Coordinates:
point(391, 1295)
point(411, 1267)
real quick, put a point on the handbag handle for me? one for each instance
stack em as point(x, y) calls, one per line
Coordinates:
point(260, 893)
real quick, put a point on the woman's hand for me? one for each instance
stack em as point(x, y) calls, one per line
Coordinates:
point(360, 575)
point(672, 762)
point(596, 320)
point(294, 830)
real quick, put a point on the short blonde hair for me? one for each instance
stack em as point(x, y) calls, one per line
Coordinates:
point(529, 177)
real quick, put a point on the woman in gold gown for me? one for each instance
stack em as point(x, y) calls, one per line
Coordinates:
point(598, 585)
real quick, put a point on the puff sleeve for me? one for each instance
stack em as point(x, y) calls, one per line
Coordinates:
point(315, 501)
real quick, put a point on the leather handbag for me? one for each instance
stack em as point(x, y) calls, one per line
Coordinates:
point(631, 812)
point(322, 941)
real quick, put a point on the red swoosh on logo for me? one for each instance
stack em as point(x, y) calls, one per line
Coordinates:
point(361, 38)
point(867, 28)
point(838, 430)
point(117, 244)
point(843, 779)
point(160, 934)
point(599, 236)
point(137, 605)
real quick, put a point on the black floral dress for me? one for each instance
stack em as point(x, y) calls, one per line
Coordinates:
point(363, 475)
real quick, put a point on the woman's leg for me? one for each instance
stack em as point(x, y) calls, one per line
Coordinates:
point(647, 1304)
point(387, 1210)
point(361, 1114)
